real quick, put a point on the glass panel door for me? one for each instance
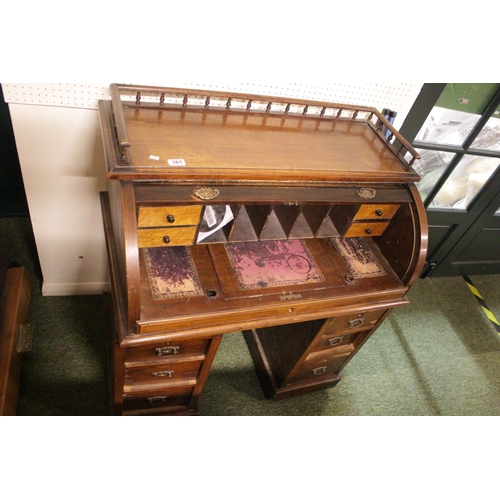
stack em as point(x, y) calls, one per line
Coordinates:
point(430, 167)
point(456, 113)
point(465, 182)
point(455, 128)
point(489, 137)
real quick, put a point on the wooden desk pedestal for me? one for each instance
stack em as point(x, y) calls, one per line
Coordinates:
point(296, 223)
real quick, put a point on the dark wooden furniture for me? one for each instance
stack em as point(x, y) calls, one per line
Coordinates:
point(15, 333)
point(327, 235)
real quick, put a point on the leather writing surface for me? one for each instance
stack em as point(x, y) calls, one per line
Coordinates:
point(359, 258)
point(172, 272)
point(273, 264)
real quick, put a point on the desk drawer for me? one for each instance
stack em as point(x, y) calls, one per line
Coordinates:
point(175, 397)
point(166, 236)
point(163, 374)
point(366, 228)
point(188, 215)
point(319, 365)
point(376, 212)
point(337, 341)
point(353, 322)
point(166, 351)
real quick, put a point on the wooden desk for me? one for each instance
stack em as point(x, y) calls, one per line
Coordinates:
point(324, 234)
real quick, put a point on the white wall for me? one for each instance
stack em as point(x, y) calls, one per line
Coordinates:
point(62, 164)
point(58, 141)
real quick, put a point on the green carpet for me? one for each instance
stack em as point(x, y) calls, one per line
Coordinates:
point(438, 356)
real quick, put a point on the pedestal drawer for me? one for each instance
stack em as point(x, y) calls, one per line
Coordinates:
point(353, 322)
point(165, 374)
point(166, 350)
point(175, 397)
point(320, 364)
point(335, 340)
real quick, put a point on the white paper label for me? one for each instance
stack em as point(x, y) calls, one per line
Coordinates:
point(153, 157)
point(177, 163)
point(210, 216)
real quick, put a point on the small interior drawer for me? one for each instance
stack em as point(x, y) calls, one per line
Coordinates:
point(169, 236)
point(376, 211)
point(187, 215)
point(366, 228)
point(166, 351)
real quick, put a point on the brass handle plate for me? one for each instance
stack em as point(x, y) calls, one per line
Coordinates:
point(335, 340)
point(206, 193)
point(157, 400)
point(167, 351)
point(355, 323)
point(366, 193)
point(167, 373)
point(319, 370)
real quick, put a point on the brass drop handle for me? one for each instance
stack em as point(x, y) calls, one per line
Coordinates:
point(166, 239)
point(167, 351)
point(170, 218)
point(335, 340)
point(356, 323)
point(157, 400)
point(168, 373)
point(319, 370)
point(379, 212)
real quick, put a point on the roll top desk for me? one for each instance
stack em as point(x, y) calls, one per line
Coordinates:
point(296, 223)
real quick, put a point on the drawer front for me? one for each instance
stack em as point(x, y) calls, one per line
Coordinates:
point(165, 351)
point(376, 212)
point(162, 374)
point(167, 236)
point(353, 322)
point(336, 341)
point(175, 397)
point(188, 215)
point(319, 367)
point(366, 228)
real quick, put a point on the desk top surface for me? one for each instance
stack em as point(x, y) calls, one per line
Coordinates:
point(204, 144)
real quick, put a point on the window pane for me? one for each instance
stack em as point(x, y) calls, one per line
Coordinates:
point(466, 180)
point(447, 126)
point(456, 112)
point(430, 168)
point(489, 137)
